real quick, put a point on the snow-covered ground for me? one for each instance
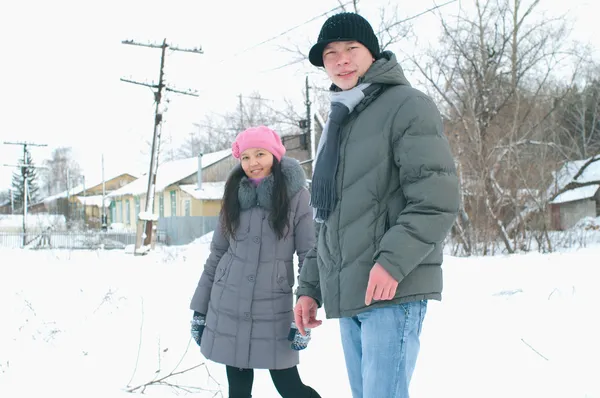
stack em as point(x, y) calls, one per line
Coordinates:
point(92, 323)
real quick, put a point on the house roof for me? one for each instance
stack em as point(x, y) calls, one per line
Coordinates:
point(59, 195)
point(77, 190)
point(95, 200)
point(576, 194)
point(566, 175)
point(170, 173)
point(209, 190)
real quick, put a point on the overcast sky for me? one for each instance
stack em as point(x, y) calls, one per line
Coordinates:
point(62, 60)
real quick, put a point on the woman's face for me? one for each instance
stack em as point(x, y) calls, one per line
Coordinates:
point(256, 162)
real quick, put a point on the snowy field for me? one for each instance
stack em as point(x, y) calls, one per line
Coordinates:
point(97, 323)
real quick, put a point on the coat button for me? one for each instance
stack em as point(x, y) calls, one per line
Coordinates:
point(256, 239)
point(281, 279)
point(246, 315)
point(251, 278)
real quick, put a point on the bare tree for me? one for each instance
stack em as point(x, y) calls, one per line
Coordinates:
point(579, 115)
point(60, 166)
point(166, 147)
point(391, 28)
point(494, 74)
point(350, 6)
point(217, 132)
point(574, 184)
point(193, 144)
point(210, 135)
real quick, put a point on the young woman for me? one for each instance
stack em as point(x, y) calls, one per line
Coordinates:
point(243, 302)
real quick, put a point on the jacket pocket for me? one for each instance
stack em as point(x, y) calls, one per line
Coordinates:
point(241, 233)
point(285, 275)
point(223, 268)
point(243, 229)
point(387, 222)
point(381, 226)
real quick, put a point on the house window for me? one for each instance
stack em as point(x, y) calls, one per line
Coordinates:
point(113, 212)
point(119, 217)
point(161, 205)
point(127, 212)
point(173, 203)
point(137, 207)
point(188, 206)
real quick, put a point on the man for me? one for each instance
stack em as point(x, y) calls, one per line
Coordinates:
point(385, 195)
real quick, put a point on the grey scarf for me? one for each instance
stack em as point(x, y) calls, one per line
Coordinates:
point(343, 103)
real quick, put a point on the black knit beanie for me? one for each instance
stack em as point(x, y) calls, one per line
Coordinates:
point(345, 26)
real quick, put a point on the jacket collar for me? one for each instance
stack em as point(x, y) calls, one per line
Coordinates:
point(250, 195)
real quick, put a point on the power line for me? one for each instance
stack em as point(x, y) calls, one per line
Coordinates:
point(437, 6)
point(285, 32)
point(379, 32)
point(294, 62)
point(144, 240)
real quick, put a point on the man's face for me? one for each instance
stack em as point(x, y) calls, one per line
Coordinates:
point(345, 62)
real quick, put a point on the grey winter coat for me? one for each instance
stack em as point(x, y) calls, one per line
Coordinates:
point(398, 196)
point(246, 287)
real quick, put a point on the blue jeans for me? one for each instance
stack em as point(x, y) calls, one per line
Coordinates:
point(381, 346)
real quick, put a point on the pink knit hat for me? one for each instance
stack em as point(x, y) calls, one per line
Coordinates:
point(258, 137)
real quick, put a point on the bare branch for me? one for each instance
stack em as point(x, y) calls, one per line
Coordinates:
point(534, 350)
point(585, 166)
point(495, 75)
point(162, 381)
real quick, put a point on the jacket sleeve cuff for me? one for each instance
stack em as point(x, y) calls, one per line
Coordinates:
point(200, 300)
point(393, 270)
point(310, 292)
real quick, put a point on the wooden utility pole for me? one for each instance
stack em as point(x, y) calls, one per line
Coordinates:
point(68, 217)
point(145, 230)
point(241, 113)
point(309, 130)
point(12, 201)
point(104, 225)
point(25, 174)
point(84, 202)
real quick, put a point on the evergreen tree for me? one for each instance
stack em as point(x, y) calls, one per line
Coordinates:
point(18, 177)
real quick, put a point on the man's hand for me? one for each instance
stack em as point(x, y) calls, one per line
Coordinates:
point(305, 314)
point(382, 286)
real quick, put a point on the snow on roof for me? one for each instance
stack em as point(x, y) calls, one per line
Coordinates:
point(170, 173)
point(95, 200)
point(576, 194)
point(76, 190)
point(209, 190)
point(566, 174)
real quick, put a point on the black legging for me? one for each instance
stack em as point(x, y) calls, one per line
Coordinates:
point(287, 382)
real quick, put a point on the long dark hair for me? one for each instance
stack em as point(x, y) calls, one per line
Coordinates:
point(280, 206)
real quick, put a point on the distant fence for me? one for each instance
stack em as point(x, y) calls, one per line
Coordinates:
point(172, 231)
point(67, 240)
point(182, 230)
